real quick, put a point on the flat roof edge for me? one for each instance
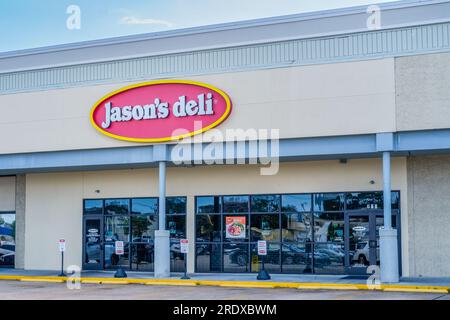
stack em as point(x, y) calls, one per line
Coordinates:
point(314, 15)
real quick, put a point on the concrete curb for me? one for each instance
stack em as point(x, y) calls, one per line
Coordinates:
point(238, 284)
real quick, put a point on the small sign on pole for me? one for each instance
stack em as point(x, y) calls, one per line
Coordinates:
point(262, 251)
point(184, 245)
point(262, 247)
point(62, 245)
point(119, 248)
point(62, 248)
point(184, 248)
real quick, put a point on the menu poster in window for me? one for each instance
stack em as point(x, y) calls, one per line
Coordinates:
point(235, 227)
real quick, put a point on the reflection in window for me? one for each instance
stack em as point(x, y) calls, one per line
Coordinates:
point(235, 257)
point(329, 258)
point(117, 206)
point(175, 205)
point(142, 257)
point(271, 260)
point(208, 258)
point(144, 206)
point(329, 226)
point(208, 228)
point(7, 239)
point(296, 202)
point(329, 202)
point(209, 204)
point(143, 228)
point(297, 257)
point(266, 203)
point(235, 204)
point(176, 257)
point(117, 228)
point(93, 207)
point(296, 227)
point(364, 200)
point(265, 227)
point(176, 225)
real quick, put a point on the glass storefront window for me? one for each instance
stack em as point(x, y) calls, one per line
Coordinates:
point(271, 260)
point(328, 202)
point(235, 257)
point(329, 258)
point(112, 260)
point(296, 227)
point(176, 224)
point(142, 256)
point(176, 205)
point(176, 257)
point(117, 206)
point(297, 257)
point(117, 228)
point(144, 206)
point(208, 258)
point(364, 200)
point(395, 196)
point(235, 204)
point(93, 206)
point(296, 202)
point(265, 227)
point(329, 226)
point(209, 204)
point(266, 203)
point(7, 239)
point(143, 228)
point(208, 228)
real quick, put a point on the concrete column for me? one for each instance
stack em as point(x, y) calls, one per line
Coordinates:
point(162, 236)
point(388, 236)
point(20, 221)
point(190, 233)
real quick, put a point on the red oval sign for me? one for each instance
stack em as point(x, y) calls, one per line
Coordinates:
point(159, 111)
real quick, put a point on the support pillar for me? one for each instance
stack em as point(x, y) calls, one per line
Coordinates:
point(162, 237)
point(388, 235)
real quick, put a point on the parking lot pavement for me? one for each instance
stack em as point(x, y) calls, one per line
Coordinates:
point(49, 291)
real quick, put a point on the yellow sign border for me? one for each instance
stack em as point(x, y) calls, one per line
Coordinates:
point(163, 139)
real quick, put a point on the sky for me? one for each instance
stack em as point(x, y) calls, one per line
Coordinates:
point(28, 24)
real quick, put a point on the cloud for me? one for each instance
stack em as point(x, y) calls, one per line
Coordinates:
point(132, 20)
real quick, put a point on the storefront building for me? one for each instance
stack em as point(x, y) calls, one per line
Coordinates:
point(86, 154)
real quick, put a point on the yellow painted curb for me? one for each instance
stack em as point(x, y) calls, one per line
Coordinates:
point(41, 280)
point(416, 290)
point(237, 284)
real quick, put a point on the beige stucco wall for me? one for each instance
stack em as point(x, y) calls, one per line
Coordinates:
point(423, 92)
point(318, 100)
point(54, 201)
point(7, 193)
point(429, 215)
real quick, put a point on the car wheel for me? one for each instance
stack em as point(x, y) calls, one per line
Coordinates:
point(241, 260)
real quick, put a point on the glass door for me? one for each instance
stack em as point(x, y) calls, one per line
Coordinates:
point(361, 242)
point(93, 243)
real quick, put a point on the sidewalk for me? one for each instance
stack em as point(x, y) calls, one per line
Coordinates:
point(248, 280)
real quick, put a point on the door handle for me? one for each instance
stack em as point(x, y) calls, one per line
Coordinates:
point(372, 243)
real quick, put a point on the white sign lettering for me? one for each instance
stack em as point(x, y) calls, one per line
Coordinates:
point(159, 110)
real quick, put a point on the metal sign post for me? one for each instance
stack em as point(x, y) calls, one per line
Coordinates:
point(119, 250)
point(184, 248)
point(62, 248)
point(262, 251)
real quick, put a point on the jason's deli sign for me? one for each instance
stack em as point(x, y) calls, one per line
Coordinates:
point(160, 111)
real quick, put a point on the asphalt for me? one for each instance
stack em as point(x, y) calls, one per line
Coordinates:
point(17, 290)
